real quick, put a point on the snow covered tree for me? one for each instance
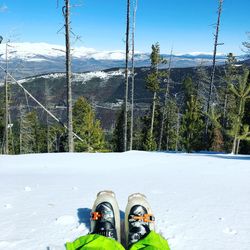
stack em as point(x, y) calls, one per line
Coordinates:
point(87, 127)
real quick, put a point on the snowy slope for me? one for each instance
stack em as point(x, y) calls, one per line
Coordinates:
point(201, 202)
point(29, 59)
point(42, 51)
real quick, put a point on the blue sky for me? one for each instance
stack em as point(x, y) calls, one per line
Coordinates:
point(185, 25)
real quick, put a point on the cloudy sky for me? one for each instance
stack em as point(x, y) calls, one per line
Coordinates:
point(185, 25)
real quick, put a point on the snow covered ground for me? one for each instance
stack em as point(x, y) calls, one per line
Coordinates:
point(201, 202)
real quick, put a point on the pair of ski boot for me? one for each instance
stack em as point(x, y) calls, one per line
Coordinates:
point(105, 217)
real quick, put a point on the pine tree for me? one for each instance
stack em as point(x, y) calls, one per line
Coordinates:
point(192, 125)
point(242, 92)
point(1, 127)
point(188, 88)
point(153, 80)
point(217, 143)
point(230, 76)
point(118, 134)
point(87, 127)
point(29, 133)
point(149, 143)
point(245, 145)
point(170, 126)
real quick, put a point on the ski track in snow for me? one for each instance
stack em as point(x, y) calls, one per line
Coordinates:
point(201, 202)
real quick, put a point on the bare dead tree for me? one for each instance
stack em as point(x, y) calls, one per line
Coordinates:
point(126, 78)
point(210, 95)
point(165, 100)
point(47, 91)
point(6, 103)
point(66, 12)
point(133, 76)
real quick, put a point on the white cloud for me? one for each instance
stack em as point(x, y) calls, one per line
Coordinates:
point(3, 8)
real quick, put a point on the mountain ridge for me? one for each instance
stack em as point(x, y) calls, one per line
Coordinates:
point(28, 59)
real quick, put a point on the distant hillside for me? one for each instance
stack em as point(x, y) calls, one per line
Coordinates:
point(103, 89)
point(29, 59)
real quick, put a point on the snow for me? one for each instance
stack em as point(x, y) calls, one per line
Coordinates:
point(33, 51)
point(42, 52)
point(77, 77)
point(200, 201)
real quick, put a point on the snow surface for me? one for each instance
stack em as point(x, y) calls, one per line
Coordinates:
point(33, 52)
point(39, 52)
point(78, 77)
point(201, 202)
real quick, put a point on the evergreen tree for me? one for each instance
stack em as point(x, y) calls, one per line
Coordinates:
point(87, 127)
point(192, 125)
point(245, 145)
point(1, 129)
point(153, 81)
point(29, 133)
point(189, 89)
point(118, 135)
point(149, 143)
point(230, 76)
point(217, 143)
point(242, 93)
point(170, 128)
point(201, 85)
point(118, 138)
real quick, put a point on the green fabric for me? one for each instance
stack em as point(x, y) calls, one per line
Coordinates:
point(94, 242)
point(153, 241)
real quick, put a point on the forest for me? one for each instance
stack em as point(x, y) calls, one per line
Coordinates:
point(208, 111)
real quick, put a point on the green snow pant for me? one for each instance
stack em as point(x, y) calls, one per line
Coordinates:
point(152, 241)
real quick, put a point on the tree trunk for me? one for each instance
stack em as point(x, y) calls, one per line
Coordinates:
point(153, 115)
point(133, 79)
point(126, 79)
point(177, 132)
point(225, 110)
point(6, 104)
point(210, 95)
point(47, 116)
point(68, 77)
point(235, 142)
point(165, 103)
point(238, 146)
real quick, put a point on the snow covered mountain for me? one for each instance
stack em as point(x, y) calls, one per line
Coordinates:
point(201, 202)
point(27, 59)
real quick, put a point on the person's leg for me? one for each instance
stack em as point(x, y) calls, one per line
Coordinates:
point(94, 242)
point(139, 226)
point(104, 228)
point(152, 241)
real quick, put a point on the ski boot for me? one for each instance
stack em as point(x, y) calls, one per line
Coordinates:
point(139, 220)
point(105, 216)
